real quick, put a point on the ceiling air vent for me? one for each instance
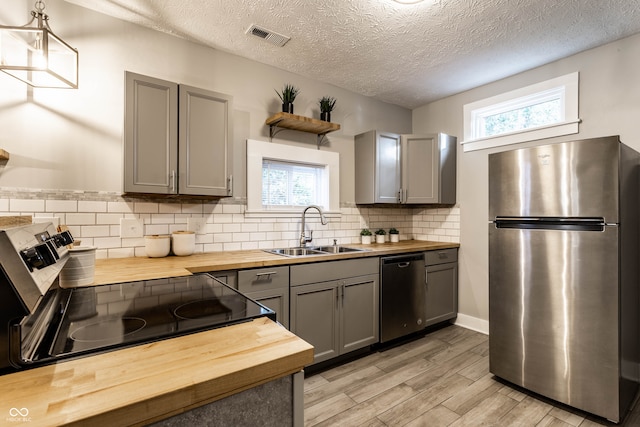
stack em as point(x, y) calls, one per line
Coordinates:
point(268, 35)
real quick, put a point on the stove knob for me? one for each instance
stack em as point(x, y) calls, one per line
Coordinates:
point(38, 257)
point(63, 239)
point(32, 258)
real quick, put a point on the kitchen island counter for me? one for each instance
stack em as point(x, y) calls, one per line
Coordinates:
point(149, 382)
point(117, 270)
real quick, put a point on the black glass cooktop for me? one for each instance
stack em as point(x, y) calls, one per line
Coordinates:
point(108, 316)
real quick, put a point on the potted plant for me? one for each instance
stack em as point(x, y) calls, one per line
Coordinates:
point(394, 235)
point(327, 104)
point(365, 235)
point(380, 235)
point(287, 96)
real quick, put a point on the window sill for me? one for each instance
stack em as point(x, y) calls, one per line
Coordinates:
point(542, 132)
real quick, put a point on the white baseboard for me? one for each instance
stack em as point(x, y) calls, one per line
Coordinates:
point(473, 323)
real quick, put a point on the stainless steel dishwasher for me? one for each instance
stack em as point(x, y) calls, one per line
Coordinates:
point(402, 295)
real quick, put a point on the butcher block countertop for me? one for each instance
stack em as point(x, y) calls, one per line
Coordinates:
point(117, 270)
point(141, 384)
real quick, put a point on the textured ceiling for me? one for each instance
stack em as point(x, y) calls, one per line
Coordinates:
point(402, 54)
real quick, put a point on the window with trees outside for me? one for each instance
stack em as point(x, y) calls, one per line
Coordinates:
point(287, 184)
point(543, 110)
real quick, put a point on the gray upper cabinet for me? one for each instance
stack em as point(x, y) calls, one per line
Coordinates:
point(151, 135)
point(177, 139)
point(408, 169)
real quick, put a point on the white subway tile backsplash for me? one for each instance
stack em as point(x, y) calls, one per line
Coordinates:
point(94, 219)
point(145, 207)
point(26, 206)
point(122, 207)
point(80, 219)
point(95, 231)
point(61, 205)
point(92, 206)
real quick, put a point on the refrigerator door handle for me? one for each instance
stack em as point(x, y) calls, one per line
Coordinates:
point(551, 223)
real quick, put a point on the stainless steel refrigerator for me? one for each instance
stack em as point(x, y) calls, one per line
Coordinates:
point(563, 272)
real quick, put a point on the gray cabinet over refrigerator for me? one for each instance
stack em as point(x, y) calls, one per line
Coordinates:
point(177, 139)
point(406, 169)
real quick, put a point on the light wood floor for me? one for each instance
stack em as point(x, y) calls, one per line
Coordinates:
point(441, 379)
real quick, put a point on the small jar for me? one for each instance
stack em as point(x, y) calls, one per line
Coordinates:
point(157, 245)
point(183, 242)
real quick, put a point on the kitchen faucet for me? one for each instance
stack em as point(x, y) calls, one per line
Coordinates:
point(303, 239)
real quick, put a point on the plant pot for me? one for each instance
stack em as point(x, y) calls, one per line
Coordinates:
point(287, 107)
point(394, 238)
point(325, 116)
point(380, 238)
point(366, 240)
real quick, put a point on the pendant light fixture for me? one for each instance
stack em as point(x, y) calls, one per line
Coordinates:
point(36, 55)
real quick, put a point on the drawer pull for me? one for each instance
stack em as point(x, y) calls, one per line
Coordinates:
point(266, 273)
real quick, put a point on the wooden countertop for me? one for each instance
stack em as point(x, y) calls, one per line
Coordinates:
point(117, 270)
point(141, 384)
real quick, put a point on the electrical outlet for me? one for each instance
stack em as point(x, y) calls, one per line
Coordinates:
point(131, 227)
point(197, 224)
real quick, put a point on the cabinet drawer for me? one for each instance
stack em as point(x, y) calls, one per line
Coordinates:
point(333, 270)
point(442, 256)
point(263, 278)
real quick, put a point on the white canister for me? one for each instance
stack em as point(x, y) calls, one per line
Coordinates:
point(157, 245)
point(183, 242)
point(80, 267)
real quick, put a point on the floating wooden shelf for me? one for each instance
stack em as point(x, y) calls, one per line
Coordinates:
point(4, 155)
point(300, 123)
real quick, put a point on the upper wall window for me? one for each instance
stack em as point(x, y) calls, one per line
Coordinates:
point(542, 110)
point(282, 179)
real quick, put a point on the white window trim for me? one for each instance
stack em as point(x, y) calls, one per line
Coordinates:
point(568, 83)
point(259, 150)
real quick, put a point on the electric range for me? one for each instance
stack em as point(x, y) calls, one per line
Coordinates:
point(43, 323)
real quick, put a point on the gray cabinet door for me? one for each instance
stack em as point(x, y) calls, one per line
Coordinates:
point(442, 292)
point(420, 169)
point(388, 169)
point(359, 322)
point(151, 135)
point(269, 286)
point(204, 140)
point(314, 318)
point(275, 299)
point(377, 167)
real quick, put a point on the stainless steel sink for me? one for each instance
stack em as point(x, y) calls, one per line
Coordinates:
point(295, 252)
point(334, 249)
point(313, 250)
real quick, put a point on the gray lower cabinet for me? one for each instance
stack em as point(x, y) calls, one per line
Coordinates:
point(442, 285)
point(177, 138)
point(270, 287)
point(340, 312)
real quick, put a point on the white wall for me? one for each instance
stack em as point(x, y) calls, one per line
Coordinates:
point(609, 105)
point(66, 146)
point(72, 139)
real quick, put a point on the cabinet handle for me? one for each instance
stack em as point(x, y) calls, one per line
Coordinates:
point(173, 181)
point(230, 185)
point(400, 196)
point(266, 273)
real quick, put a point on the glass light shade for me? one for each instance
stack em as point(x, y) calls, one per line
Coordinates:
point(38, 57)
